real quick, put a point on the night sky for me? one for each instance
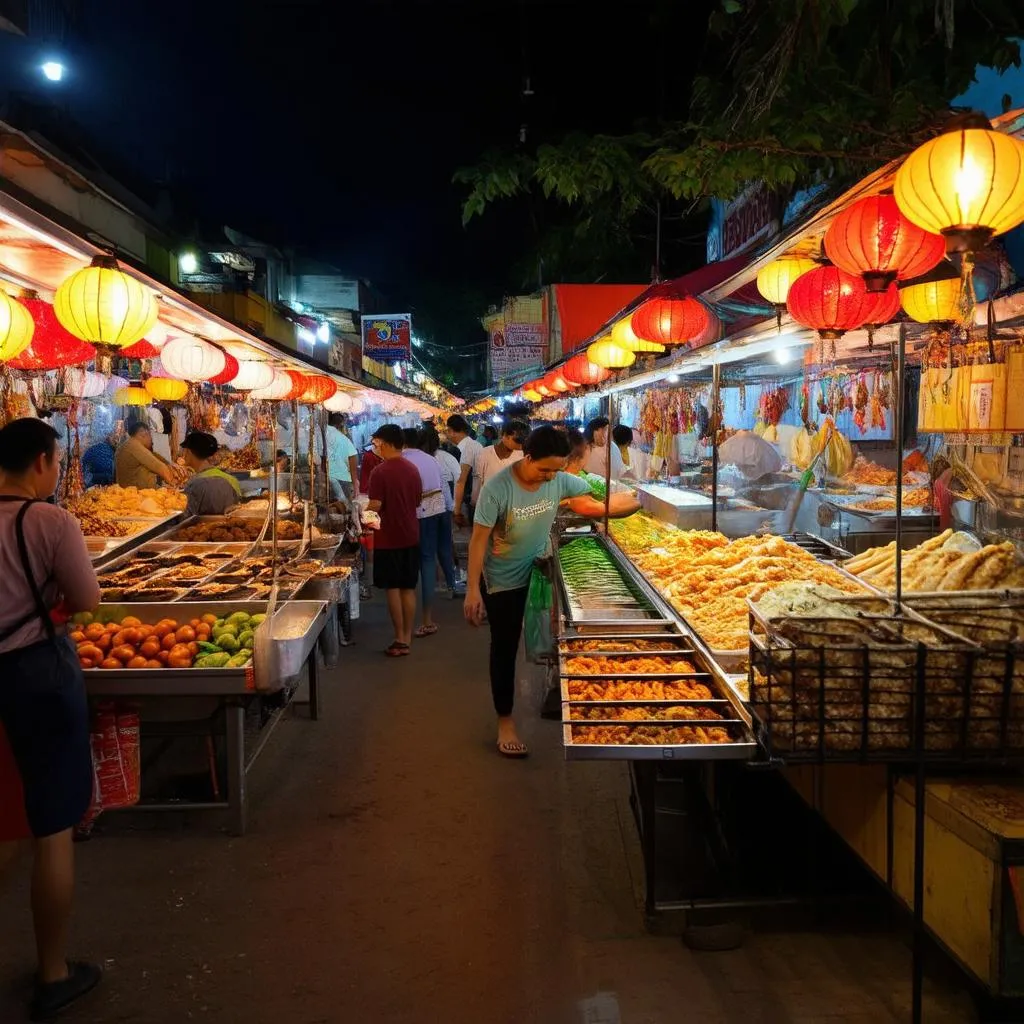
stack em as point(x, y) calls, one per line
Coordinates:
point(337, 126)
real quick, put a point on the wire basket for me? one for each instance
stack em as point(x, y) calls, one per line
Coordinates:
point(881, 684)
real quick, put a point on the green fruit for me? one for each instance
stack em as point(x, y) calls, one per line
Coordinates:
point(257, 618)
point(216, 660)
point(219, 622)
point(227, 642)
point(208, 648)
point(82, 618)
point(240, 659)
point(245, 638)
point(237, 617)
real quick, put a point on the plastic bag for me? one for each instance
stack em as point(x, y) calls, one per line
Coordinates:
point(537, 632)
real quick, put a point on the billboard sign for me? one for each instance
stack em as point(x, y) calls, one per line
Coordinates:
point(387, 337)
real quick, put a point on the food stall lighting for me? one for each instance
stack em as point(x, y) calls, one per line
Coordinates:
point(783, 355)
point(53, 70)
point(188, 263)
point(323, 333)
point(673, 378)
point(306, 335)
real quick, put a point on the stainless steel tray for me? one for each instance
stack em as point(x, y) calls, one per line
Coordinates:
point(739, 751)
point(704, 678)
point(290, 652)
point(117, 546)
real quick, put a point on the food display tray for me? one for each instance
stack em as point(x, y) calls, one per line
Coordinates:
point(114, 547)
point(290, 652)
point(742, 750)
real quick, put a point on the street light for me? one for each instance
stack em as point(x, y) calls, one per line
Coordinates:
point(188, 263)
point(53, 70)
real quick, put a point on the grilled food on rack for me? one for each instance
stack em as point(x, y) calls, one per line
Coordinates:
point(637, 689)
point(708, 578)
point(938, 564)
point(591, 666)
point(645, 713)
point(611, 643)
point(648, 735)
point(114, 501)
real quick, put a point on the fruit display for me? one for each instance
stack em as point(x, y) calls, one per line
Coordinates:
point(126, 642)
point(708, 578)
point(941, 563)
point(115, 501)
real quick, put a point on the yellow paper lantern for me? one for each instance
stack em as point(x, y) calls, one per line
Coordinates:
point(132, 396)
point(164, 389)
point(610, 355)
point(775, 280)
point(533, 396)
point(966, 185)
point(622, 334)
point(933, 301)
point(103, 305)
point(16, 327)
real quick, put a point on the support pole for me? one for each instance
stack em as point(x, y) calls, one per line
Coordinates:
point(716, 393)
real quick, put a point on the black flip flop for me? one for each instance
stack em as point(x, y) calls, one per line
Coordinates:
point(55, 996)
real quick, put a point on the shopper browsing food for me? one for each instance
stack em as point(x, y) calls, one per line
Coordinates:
point(448, 465)
point(395, 490)
point(465, 488)
point(514, 516)
point(507, 449)
point(211, 491)
point(137, 465)
point(46, 575)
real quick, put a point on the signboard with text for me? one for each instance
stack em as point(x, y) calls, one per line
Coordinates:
point(517, 347)
point(387, 337)
point(742, 223)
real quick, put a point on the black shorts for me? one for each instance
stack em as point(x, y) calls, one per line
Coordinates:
point(44, 711)
point(396, 568)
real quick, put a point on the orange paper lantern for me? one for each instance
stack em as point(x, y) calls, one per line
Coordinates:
point(318, 389)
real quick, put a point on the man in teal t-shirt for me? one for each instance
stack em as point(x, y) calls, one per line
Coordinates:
point(514, 515)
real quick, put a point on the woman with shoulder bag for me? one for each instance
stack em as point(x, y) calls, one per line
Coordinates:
point(46, 575)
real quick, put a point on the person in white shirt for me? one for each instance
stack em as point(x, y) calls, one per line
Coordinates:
point(596, 433)
point(430, 442)
point(751, 455)
point(506, 450)
point(469, 449)
point(341, 460)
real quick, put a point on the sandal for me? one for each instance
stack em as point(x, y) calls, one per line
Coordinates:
point(509, 748)
point(396, 649)
point(426, 630)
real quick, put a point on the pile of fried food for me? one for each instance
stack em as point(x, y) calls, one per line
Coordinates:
point(935, 565)
point(590, 666)
point(917, 497)
point(235, 530)
point(648, 735)
point(864, 471)
point(133, 502)
point(94, 525)
point(580, 645)
point(637, 689)
point(708, 578)
point(644, 713)
point(243, 460)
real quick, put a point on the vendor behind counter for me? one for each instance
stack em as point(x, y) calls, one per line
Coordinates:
point(211, 491)
point(751, 455)
point(137, 465)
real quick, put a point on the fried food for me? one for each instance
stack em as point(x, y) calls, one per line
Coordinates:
point(918, 497)
point(94, 525)
point(114, 501)
point(645, 712)
point(864, 471)
point(615, 644)
point(638, 689)
point(648, 735)
point(589, 666)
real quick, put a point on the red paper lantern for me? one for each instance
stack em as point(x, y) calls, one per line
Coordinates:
point(582, 370)
point(886, 305)
point(873, 239)
point(140, 350)
point(52, 346)
point(318, 389)
point(228, 374)
point(830, 301)
point(670, 321)
point(298, 385)
point(554, 381)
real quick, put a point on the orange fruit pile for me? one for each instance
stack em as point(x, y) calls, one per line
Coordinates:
point(131, 643)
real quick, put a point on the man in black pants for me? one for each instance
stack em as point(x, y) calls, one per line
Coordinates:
point(514, 515)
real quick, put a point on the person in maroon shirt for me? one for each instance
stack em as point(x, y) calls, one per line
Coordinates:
point(370, 461)
point(395, 490)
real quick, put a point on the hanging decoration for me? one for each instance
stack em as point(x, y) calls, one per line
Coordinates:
point(608, 354)
point(227, 375)
point(580, 368)
point(140, 350)
point(103, 305)
point(298, 385)
point(358, 406)
point(157, 336)
point(339, 402)
point(52, 346)
point(532, 396)
point(277, 390)
point(670, 321)
point(83, 383)
point(252, 375)
point(623, 334)
point(318, 389)
point(132, 396)
point(935, 297)
point(830, 301)
point(556, 383)
point(16, 327)
point(775, 280)
point(166, 389)
point(115, 383)
point(966, 185)
point(192, 359)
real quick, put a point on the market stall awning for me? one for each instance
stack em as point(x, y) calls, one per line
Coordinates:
point(583, 309)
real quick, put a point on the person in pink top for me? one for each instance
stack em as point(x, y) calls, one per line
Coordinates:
point(46, 575)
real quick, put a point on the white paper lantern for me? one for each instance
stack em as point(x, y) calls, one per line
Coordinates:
point(192, 359)
point(157, 335)
point(358, 406)
point(252, 375)
point(339, 402)
point(280, 386)
point(83, 383)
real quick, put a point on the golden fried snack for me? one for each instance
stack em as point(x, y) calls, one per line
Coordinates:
point(648, 735)
point(599, 666)
point(637, 689)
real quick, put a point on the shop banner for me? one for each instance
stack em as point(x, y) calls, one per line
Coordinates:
point(387, 337)
point(517, 347)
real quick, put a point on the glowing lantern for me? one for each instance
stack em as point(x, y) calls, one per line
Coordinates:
point(84, 383)
point(227, 375)
point(241, 351)
point(775, 280)
point(166, 389)
point(532, 396)
point(884, 306)
point(103, 305)
point(622, 334)
point(340, 402)
point(140, 350)
point(16, 327)
point(252, 375)
point(543, 390)
point(298, 384)
point(51, 347)
point(192, 359)
point(935, 297)
point(157, 335)
point(712, 333)
point(132, 396)
point(358, 406)
point(580, 368)
point(556, 383)
point(669, 321)
point(966, 185)
point(830, 301)
point(872, 238)
point(276, 390)
point(318, 389)
point(609, 355)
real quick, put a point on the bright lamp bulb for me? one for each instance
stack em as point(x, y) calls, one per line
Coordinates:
point(783, 355)
point(53, 70)
point(188, 262)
